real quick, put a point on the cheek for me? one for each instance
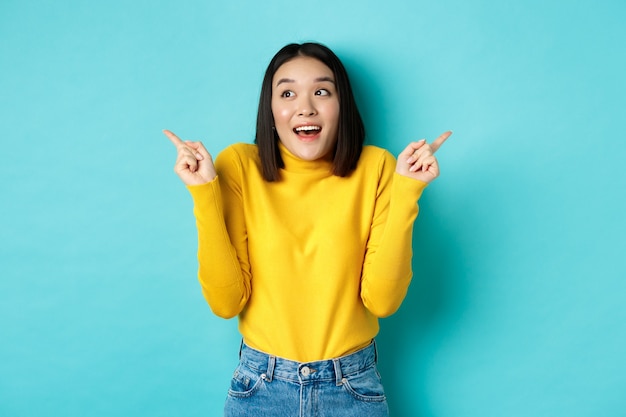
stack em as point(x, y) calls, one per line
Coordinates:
point(333, 118)
point(280, 111)
point(283, 113)
point(332, 112)
point(282, 123)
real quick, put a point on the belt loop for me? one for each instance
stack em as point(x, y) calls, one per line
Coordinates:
point(338, 373)
point(271, 364)
point(240, 348)
point(375, 351)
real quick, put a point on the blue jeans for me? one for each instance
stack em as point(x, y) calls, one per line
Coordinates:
point(265, 385)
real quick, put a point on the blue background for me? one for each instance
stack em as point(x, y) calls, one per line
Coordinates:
point(517, 305)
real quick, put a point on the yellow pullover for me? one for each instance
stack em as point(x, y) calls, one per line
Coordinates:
point(310, 262)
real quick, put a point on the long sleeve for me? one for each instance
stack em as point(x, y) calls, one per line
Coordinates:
point(224, 272)
point(387, 268)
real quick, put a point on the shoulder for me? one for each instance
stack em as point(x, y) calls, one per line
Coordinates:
point(374, 156)
point(238, 162)
point(241, 151)
point(237, 156)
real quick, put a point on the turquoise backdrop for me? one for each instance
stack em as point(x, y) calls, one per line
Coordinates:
point(518, 305)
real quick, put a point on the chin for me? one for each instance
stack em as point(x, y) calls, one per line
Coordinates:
point(309, 157)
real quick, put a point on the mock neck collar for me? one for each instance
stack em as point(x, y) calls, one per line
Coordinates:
point(297, 165)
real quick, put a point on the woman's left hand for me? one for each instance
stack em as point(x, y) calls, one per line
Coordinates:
point(418, 161)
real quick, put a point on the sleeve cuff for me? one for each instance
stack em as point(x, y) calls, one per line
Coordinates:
point(408, 187)
point(203, 193)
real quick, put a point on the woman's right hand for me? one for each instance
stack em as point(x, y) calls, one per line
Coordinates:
point(194, 164)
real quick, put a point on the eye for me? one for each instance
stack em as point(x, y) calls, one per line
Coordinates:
point(322, 92)
point(287, 94)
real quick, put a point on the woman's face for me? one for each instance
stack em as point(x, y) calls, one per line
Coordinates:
point(305, 105)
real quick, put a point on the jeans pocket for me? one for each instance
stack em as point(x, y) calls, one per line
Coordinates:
point(245, 382)
point(365, 386)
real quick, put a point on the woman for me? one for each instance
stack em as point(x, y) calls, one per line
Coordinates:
point(306, 236)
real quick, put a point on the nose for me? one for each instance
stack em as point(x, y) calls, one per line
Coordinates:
point(306, 107)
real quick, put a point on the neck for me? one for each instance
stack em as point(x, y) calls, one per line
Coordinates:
point(295, 164)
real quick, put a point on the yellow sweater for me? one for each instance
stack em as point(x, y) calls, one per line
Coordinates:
point(310, 262)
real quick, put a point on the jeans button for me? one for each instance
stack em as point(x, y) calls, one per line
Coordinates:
point(305, 371)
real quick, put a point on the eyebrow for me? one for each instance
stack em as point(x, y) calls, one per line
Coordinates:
point(317, 80)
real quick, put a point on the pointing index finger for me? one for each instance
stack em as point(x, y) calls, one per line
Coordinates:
point(173, 138)
point(440, 140)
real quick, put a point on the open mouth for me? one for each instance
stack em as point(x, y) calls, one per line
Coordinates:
point(307, 131)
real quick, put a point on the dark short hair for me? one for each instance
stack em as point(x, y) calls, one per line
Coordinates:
point(350, 131)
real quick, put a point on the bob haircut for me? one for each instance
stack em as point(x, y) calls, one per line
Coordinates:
point(350, 131)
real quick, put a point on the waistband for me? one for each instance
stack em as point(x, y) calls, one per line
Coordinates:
point(336, 369)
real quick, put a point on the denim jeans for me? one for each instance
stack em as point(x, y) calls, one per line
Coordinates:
point(266, 385)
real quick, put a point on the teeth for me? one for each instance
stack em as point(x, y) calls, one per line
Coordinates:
point(307, 128)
